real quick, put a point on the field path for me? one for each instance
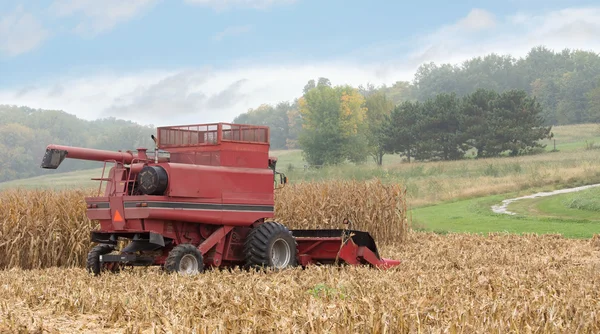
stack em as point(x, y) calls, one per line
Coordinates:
point(503, 208)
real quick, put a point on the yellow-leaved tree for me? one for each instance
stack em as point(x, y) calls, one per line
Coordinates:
point(333, 124)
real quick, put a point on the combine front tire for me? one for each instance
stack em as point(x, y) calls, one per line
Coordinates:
point(185, 259)
point(93, 258)
point(270, 245)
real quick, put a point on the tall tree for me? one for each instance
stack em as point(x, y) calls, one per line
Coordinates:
point(399, 92)
point(321, 139)
point(379, 108)
point(446, 127)
point(402, 133)
point(482, 129)
point(523, 122)
point(276, 118)
point(294, 119)
point(441, 125)
point(354, 125)
point(333, 128)
point(593, 103)
point(368, 90)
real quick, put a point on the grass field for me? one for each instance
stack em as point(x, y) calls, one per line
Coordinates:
point(476, 216)
point(78, 179)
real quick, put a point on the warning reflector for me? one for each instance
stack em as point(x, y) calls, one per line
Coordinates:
point(118, 217)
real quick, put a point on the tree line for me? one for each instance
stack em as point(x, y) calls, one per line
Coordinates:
point(446, 127)
point(340, 124)
point(566, 85)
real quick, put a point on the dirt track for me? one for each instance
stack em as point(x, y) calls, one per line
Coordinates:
point(502, 208)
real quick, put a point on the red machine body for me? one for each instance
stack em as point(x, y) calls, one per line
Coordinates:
point(206, 204)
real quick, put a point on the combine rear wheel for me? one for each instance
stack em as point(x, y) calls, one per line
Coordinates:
point(185, 259)
point(93, 258)
point(270, 245)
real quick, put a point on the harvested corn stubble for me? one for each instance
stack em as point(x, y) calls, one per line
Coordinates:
point(454, 283)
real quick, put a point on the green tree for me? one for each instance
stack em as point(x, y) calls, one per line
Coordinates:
point(482, 128)
point(441, 127)
point(399, 92)
point(276, 118)
point(402, 132)
point(593, 103)
point(25, 133)
point(17, 144)
point(333, 127)
point(445, 127)
point(379, 109)
point(561, 81)
point(294, 119)
point(523, 124)
point(368, 90)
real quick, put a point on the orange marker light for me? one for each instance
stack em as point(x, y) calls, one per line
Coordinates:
point(118, 217)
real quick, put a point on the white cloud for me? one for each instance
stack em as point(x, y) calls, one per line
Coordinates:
point(184, 95)
point(220, 5)
point(232, 31)
point(187, 95)
point(574, 28)
point(20, 32)
point(99, 16)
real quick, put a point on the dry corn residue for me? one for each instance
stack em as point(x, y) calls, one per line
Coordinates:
point(455, 283)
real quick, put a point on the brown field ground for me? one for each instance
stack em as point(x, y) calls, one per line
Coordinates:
point(447, 284)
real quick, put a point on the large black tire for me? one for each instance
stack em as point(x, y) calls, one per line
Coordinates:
point(270, 245)
point(93, 258)
point(184, 259)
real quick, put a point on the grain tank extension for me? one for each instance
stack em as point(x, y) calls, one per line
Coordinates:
point(205, 201)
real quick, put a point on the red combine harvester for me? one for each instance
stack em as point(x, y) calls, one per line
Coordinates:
point(205, 205)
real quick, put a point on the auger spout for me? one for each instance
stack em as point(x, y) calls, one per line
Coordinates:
point(56, 154)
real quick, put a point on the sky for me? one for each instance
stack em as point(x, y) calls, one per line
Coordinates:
point(168, 62)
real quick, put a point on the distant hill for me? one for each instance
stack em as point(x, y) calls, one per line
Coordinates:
point(25, 133)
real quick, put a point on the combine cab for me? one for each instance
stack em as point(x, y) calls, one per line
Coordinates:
point(203, 205)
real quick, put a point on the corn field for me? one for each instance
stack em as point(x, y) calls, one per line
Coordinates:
point(44, 228)
point(371, 206)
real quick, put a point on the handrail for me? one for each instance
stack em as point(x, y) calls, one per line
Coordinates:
point(102, 178)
